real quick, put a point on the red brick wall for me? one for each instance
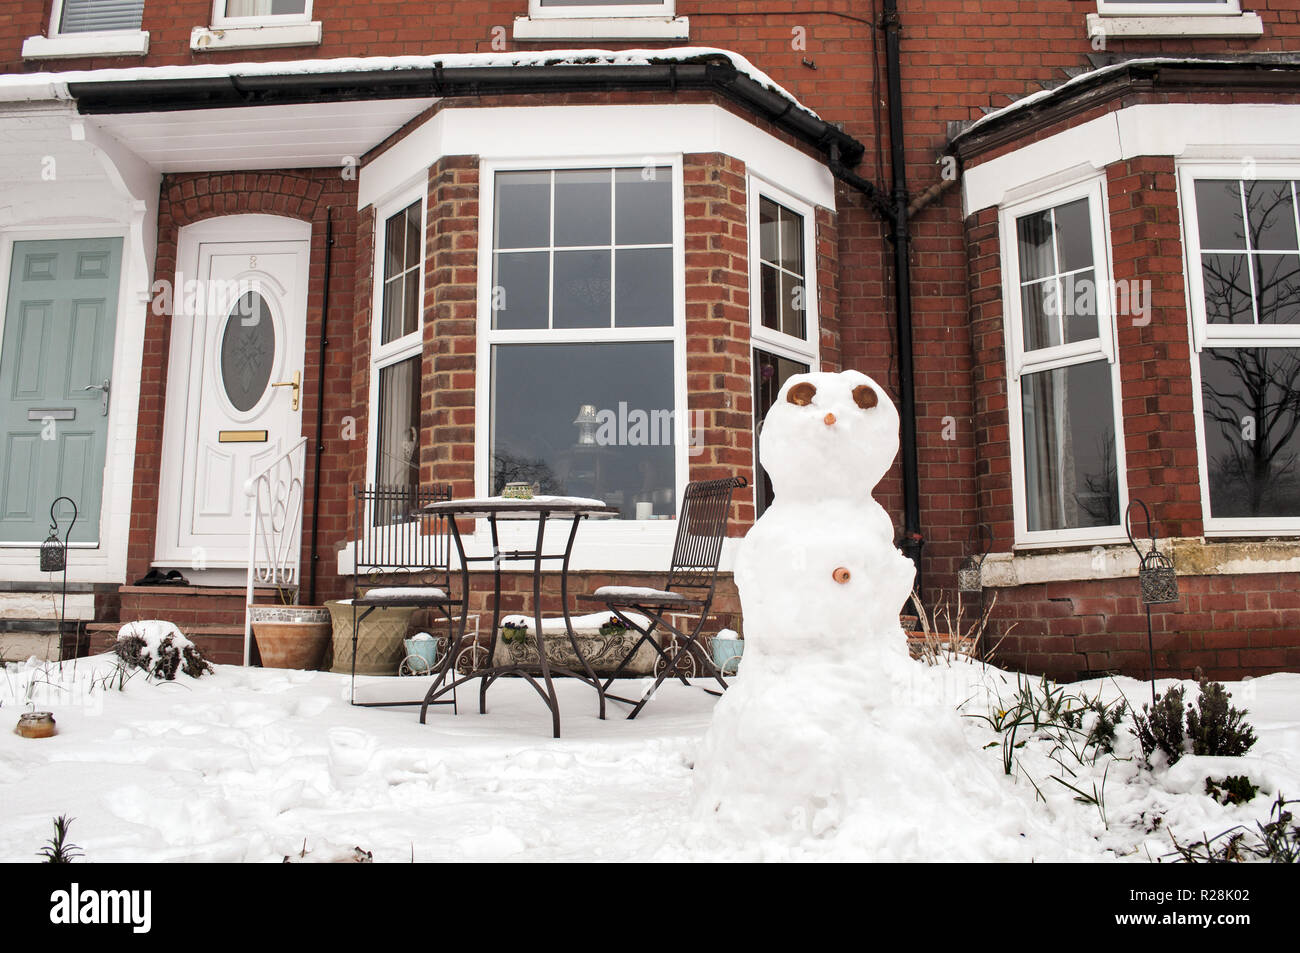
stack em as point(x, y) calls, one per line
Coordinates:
point(303, 194)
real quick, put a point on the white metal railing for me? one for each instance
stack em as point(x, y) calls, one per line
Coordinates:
point(275, 530)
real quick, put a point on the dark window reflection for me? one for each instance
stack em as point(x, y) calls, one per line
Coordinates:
point(1251, 408)
point(1071, 479)
point(397, 456)
point(593, 420)
point(770, 374)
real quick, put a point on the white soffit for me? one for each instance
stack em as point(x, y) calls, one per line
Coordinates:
point(307, 135)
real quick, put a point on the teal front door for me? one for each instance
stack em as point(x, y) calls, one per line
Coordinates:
point(56, 366)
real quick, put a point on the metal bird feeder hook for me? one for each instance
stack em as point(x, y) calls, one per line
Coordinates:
point(969, 576)
point(1157, 581)
point(54, 556)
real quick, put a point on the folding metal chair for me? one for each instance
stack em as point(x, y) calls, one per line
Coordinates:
point(692, 579)
point(402, 560)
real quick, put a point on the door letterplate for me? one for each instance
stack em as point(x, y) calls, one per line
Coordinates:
point(52, 413)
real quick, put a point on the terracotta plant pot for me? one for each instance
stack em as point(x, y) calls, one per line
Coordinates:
point(291, 636)
point(36, 724)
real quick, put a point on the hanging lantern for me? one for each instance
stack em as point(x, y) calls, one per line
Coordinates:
point(1157, 580)
point(970, 573)
point(53, 557)
point(586, 422)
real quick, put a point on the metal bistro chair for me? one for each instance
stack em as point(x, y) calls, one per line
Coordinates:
point(692, 579)
point(402, 559)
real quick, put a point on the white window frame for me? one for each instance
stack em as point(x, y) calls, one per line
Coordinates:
point(1092, 188)
point(600, 11)
point(1222, 8)
point(219, 18)
point(56, 43)
point(769, 339)
point(409, 345)
point(56, 22)
point(1205, 335)
point(652, 532)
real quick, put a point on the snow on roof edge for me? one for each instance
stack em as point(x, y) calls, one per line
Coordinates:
point(28, 87)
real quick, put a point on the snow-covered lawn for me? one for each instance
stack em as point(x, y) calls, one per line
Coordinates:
point(253, 764)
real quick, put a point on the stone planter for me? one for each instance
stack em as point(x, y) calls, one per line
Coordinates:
point(380, 638)
point(291, 636)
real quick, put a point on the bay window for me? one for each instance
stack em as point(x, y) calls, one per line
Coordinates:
point(396, 348)
point(782, 267)
point(1067, 443)
point(1243, 245)
point(580, 336)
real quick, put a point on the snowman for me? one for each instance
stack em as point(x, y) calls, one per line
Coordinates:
point(818, 737)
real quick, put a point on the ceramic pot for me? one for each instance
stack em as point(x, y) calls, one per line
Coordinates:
point(291, 636)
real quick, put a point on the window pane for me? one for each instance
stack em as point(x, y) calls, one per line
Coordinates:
point(791, 241)
point(644, 211)
point(397, 455)
point(1227, 289)
point(92, 16)
point(1074, 235)
point(770, 297)
point(582, 289)
point(395, 245)
point(768, 230)
point(1039, 309)
point(620, 451)
point(247, 352)
point(1278, 279)
point(1272, 216)
point(521, 290)
point(413, 237)
point(1218, 214)
point(582, 200)
point(523, 210)
point(644, 279)
point(401, 304)
point(264, 8)
point(1069, 428)
point(793, 307)
point(770, 374)
point(1034, 241)
point(1251, 406)
point(1079, 306)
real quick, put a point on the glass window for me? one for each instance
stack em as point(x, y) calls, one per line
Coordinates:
point(782, 298)
point(100, 16)
point(403, 257)
point(1181, 8)
point(260, 9)
point(771, 371)
point(1069, 479)
point(603, 8)
point(397, 459)
point(582, 386)
point(247, 351)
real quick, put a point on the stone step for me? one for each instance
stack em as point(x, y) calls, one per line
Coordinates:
point(189, 605)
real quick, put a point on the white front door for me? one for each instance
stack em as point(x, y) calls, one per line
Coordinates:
point(234, 381)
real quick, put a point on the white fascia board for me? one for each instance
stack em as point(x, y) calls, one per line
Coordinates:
point(210, 39)
point(564, 133)
point(125, 43)
point(1244, 24)
point(603, 28)
point(1152, 129)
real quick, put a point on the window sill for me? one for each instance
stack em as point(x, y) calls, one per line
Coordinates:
point(1246, 24)
point(209, 39)
point(131, 43)
point(603, 28)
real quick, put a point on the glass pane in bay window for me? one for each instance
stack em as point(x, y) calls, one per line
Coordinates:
point(770, 296)
point(1039, 311)
point(770, 374)
point(582, 298)
point(769, 224)
point(1227, 289)
point(1277, 278)
point(592, 420)
point(1251, 414)
point(1074, 235)
point(793, 307)
point(1272, 216)
point(1079, 306)
point(1071, 479)
point(791, 246)
point(1034, 245)
point(397, 438)
point(523, 210)
point(582, 207)
point(1218, 214)
point(644, 283)
point(521, 292)
point(643, 206)
point(401, 302)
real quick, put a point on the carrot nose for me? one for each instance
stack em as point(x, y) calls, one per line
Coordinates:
point(828, 419)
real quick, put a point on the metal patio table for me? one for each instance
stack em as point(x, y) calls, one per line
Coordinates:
point(544, 510)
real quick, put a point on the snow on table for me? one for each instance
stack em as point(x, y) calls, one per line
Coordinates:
point(248, 763)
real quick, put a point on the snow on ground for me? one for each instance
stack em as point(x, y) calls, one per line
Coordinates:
point(251, 764)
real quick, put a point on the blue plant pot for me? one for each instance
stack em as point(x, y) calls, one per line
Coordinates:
point(727, 653)
point(425, 649)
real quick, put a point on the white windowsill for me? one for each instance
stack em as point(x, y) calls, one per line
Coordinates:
point(204, 39)
point(1245, 24)
point(128, 43)
point(603, 28)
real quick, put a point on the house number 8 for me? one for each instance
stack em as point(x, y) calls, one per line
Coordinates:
point(252, 261)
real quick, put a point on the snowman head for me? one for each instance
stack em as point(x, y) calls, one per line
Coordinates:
point(829, 435)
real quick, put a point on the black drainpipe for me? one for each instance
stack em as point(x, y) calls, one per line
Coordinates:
point(900, 235)
point(320, 403)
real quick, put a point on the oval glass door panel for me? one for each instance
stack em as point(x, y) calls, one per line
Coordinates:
point(247, 351)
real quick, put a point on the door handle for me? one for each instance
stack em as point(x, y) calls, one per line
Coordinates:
point(296, 384)
point(103, 396)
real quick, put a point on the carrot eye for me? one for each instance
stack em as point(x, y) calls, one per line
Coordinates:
point(865, 396)
point(801, 394)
